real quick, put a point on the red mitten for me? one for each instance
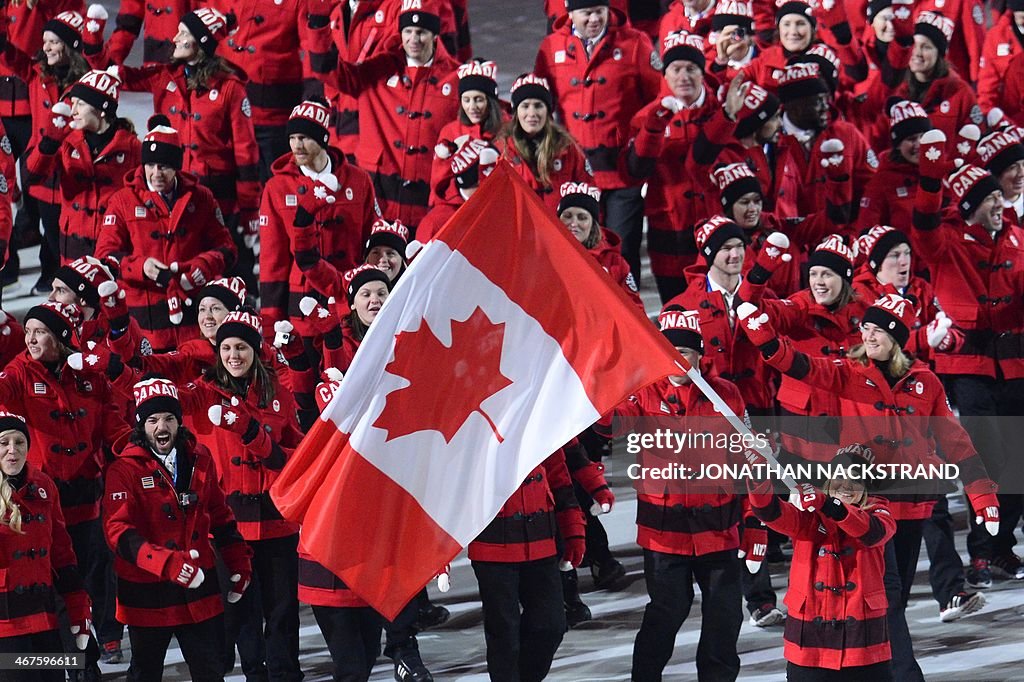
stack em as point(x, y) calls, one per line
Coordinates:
point(807, 498)
point(773, 254)
point(113, 305)
point(249, 228)
point(287, 340)
point(835, 161)
point(182, 569)
point(92, 36)
point(5, 329)
point(932, 160)
point(192, 275)
point(985, 505)
point(96, 358)
point(235, 418)
point(903, 20)
point(758, 327)
point(938, 332)
point(966, 141)
point(79, 609)
point(444, 578)
point(573, 528)
point(658, 117)
point(320, 317)
point(58, 126)
point(591, 477)
point(754, 543)
point(238, 559)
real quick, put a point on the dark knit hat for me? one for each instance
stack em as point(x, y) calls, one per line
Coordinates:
point(906, 119)
point(478, 75)
point(876, 6)
point(419, 14)
point(100, 89)
point(60, 318)
point(681, 328)
point(801, 80)
point(1015, 5)
point(827, 61)
point(475, 158)
point(799, 8)
point(733, 181)
point(712, 234)
point(733, 13)
point(835, 255)
point(312, 119)
point(243, 325)
point(209, 27)
point(936, 28)
point(161, 145)
point(530, 86)
point(856, 460)
point(355, 278)
point(83, 276)
point(970, 186)
point(877, 242)
point(999, 150)
point(894, 315)
point(759, 106)
point(682, 45)
point(383, 233)
point(68, 27)
point(228, 290)
point(581, 195)
point(573, 5)
point(14, 422)
point(155, 395)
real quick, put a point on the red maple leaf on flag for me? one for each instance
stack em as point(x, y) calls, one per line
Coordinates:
point(447, 383)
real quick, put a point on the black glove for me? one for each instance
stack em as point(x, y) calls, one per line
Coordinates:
point(834, 508)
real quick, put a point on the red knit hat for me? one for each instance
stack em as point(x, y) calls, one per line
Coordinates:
point(826, 59)
point(420, 14)
point(68, 27)
point(758, 106)
point(101, 89)
point(383, 233)
point(530, 86)
point(228, 290)
point(999, 150)
point(83, 276)
point(311, 119)
point(243, 325)
point(834, 254)
point(681, 327)
point(874, 244)
point(936, 28)
point(682, 45)
point(355, 278)
point(162, 145)
point(970, 186)
point(733, 181)
point(801, 80)
point(209, 27)
point(712, 234)
point(581, 195)
point(478, 75)
point(893, 314)
point(155, 395)
point(906, 119)
point(62, 319)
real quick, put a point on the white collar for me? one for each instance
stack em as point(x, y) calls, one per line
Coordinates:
point(409, 62)
point(590, 41)
point(802, 136)
point(174, 187)
point(697, 103)
point(326, 177)
point(715, 286)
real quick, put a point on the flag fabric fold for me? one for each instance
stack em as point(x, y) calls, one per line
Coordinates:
point(502, 341)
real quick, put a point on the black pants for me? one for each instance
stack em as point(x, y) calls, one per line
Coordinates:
point(200, 645)
point(876, 672)
point(96, 565)
point(353, 638)
point(49, 247)
point(624, 215)
point(521, 643)
point(985, 405)
point(275, 565)
point(670, 579)
point(47, 642)
point(901, 554)
point(273, 143)
point(945, 569)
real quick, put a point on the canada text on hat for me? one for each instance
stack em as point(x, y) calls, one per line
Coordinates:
point(756, 96)
point(412, 5)
point(72, 19)
point(154, 388)
point(530, 79)
point(993, 144)
point(835, 244)
point(705, 230)
point(101, 81)
point(213, 20)
point(313, 111)
point(799, 72)
point(682, 39)
point(724, 176)
point(823, 50)
point(90, 268)
point(965, 177)
point(235, 285)
point(895, 304)
point(4, 414)
point(904, 110)
point(475, 68)
point(942, 23)
point(688, 320)
point(568, 188)
point(735, 8)
point(351, 275)
point(381, 226)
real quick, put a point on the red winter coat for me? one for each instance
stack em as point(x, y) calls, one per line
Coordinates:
point(908, 423)
point(139, 225)
point(71, 418)
point(675, 19)
point(13, 344)
point(803, 233)
point(344, 228)
point(674, 201)
point(1012, 99)
point(1002, 44)
point(889, 196)
point(216, 131)
point(268, 46)
point(37, 562)
point(160, 19)
point(596, 97)
point(526, 527)
point(318, 586)
point(8, 192)
point(886, 67)
point(980, 280)
point(145, 522)
point(965, 49)
point(436, 217)
point(86, 185)
point(727, 348)
point(690, 522)
point(570, 166)
point(608, 253)
point(441, 186)
point(833, 628)
point(950, 104)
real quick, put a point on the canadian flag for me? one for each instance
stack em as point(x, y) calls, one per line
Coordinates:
point(502, 341)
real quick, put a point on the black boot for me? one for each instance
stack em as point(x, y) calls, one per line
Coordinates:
point(608, 575)
point(429, 615)
point(576, 611)
point(409, 666)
